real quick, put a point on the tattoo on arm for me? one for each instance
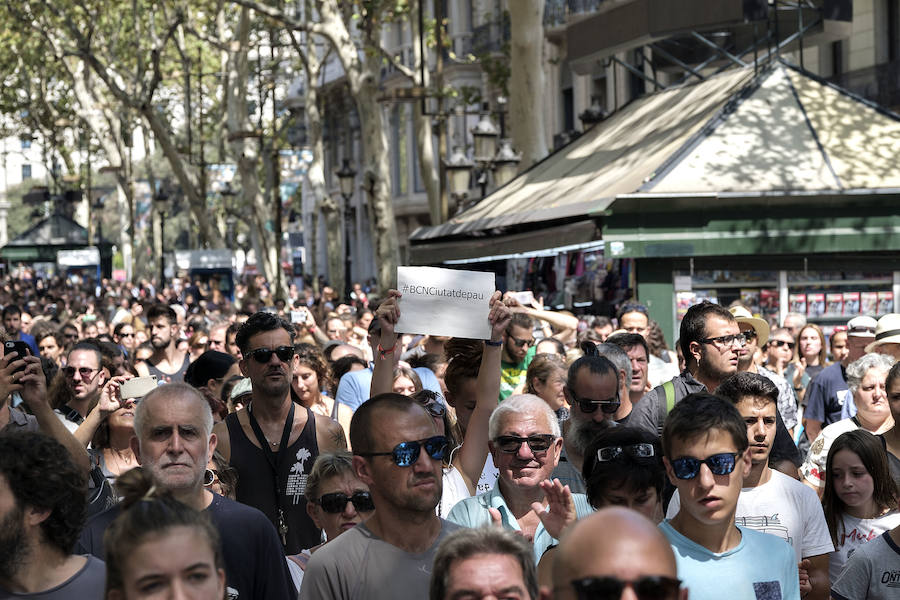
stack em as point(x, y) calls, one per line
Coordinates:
point(337, 437)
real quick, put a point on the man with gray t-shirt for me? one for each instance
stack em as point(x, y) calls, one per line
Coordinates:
point(398, 453)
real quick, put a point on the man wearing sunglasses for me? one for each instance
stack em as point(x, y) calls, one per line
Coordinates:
point(707, 459)
point(85, 377)
point(518, 352)
point(613, 550)
point(828, 393)
point(595, 389)
point(273, 442)
point(709, 339)
point(525, 445)
point(771, 501)
point(398, 454)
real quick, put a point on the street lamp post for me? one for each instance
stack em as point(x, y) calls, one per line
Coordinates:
point(162, 206)
point(459, 169)
point(346, 178)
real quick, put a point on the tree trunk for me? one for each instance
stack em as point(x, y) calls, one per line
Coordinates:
point(424, 139)
point(363, 79)
point(315, 174)
point(246, 150)
point(526, 81)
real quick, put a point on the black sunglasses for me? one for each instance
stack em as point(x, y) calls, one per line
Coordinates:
point(430, 401)
point(652, 587)
point(782, 344)
point(405, 454)
point(336, 502)
point(86, 373)
point(641, 450)
point(536, 443)
point(519, 343)
point(719, 464)
point(589, 406)
point(264, 355)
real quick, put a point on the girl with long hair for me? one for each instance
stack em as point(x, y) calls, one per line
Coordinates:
point(860, 497)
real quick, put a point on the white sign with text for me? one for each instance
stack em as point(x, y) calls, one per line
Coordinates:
point(443, 302)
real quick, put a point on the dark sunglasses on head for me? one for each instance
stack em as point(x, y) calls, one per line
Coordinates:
point(781, 344)
point(719, 464)
point(264, 355)
point(519, 343)
point(652, 587)
point(431, 402)
point(86, 373)
point(536, 443)
point(405, 454)
point(642, 450)
point(336, 502)
point(589, 406)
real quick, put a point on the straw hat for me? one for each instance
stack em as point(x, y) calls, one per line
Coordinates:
point(742, 315)
point(887, 331)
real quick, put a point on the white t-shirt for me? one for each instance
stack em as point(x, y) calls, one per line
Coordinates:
point(813, 468)
point(455, 488)
point(854, 534)
point(783, 507)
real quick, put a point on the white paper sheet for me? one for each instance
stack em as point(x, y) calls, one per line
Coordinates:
point(442, 302)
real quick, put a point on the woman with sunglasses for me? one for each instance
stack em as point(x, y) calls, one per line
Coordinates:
point(459, 478)
point(107, 431)
point(866, 378)
point(337, 501)
point(860, 498)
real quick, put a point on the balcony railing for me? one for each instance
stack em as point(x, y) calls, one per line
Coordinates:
point(490, 37)
point(557, 12)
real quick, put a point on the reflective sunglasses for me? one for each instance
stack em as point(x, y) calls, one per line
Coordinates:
point(536, 443)
point(519, 343)
point(719, 464)
point(726, 341)
point(86, 373)
point(336, 502)
point(430, 401)
point(652, 587)
point(589, 406)
point(264, 355)
point(406, 454)
point(642, 450)
point(782, 344)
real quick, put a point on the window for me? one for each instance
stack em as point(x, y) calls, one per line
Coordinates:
point(26, 172)
point(25, 143)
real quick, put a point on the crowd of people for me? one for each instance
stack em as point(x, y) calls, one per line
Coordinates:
point(175, 443)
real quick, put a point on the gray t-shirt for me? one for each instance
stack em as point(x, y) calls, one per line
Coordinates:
point(872, 572)
point(89, 583)
point(359, 566)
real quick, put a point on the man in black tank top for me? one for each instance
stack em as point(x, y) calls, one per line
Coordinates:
point(166, 362)
point(273, 442)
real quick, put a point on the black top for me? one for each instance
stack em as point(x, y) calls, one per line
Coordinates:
point(177, 376)
point(256, 485)
point(255, 566)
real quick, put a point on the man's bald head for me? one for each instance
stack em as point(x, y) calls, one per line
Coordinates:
point(613, 542)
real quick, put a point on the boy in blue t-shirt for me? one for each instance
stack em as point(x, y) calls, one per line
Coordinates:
point(706, 457)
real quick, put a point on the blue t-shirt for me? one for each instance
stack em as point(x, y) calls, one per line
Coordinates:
point(825, 395)
point(354, 387)
point(760, 567)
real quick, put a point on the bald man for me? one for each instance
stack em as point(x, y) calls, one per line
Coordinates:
point(615, 549)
